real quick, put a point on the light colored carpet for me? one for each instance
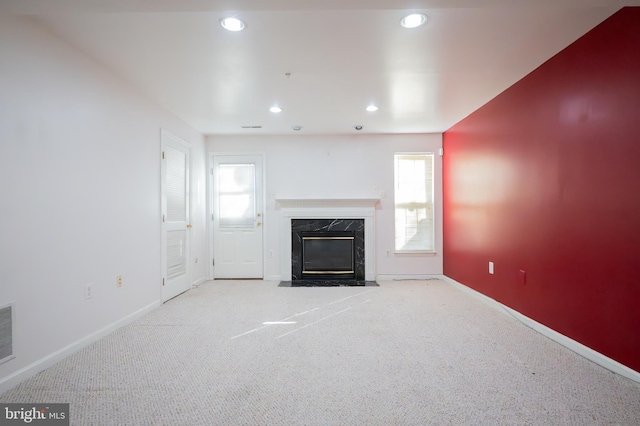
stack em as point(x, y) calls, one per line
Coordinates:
point(404, 353)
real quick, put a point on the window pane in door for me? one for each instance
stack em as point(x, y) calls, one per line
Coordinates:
point(236, 195)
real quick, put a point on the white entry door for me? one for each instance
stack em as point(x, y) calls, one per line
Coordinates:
point(174, 169)
point(237, 216)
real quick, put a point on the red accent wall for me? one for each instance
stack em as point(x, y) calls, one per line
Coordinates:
point(545, 179)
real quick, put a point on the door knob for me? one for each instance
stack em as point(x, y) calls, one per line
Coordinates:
point(258, 223)
point(189, 225)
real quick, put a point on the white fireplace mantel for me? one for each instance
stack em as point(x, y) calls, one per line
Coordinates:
point(327, 202)
point(328, 208)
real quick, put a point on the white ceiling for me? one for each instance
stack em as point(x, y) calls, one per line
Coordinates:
point(342, 55)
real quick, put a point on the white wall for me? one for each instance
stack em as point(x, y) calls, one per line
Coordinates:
point(80, 185)
point(339, 167)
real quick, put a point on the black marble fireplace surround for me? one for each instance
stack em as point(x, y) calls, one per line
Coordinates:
point(326, 227)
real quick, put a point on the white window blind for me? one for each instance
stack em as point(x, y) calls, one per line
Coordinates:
point(414, 202)
point(176, 185)
point(6, 333)
point(237, 195)
point(176, 258)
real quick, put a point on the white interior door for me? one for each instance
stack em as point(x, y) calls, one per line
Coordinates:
point(237, 216)
point(176, 276)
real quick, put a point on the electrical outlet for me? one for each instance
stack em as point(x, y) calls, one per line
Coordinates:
point(388, 253)
point(270, 253)
point(522, 277)
point(119, 280)
point(491, 268)
point(88, 291)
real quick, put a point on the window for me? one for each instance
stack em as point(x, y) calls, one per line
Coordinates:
point(413, 184)
point(237, 195)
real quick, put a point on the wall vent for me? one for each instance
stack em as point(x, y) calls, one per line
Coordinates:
point(251, 127)
point(6, 333)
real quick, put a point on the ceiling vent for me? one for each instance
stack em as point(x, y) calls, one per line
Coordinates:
point(251, 127)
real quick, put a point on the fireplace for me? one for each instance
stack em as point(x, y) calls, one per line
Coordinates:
point(353, 214)
point(328, 255)
point(327, 249)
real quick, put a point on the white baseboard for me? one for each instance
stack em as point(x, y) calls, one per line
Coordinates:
point(390, 277)
point(199, 281)
point(567, 342)
point(272, 278)
point(14, 379)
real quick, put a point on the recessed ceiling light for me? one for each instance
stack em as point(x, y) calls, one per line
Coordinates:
point(297, 128)
point(372, 108)
point(275, 109)
point(414, 20)
point(232, 24)
point(358, 127)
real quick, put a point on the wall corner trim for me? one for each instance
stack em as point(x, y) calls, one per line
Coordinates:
point(14, 379)
point(577, 347)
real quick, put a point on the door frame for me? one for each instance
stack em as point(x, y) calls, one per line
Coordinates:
point(211, 207)
point(166, 136)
